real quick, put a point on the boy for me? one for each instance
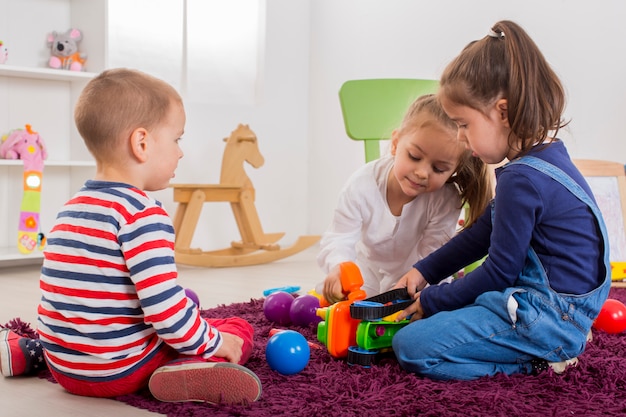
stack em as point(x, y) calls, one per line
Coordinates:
point(112, 318)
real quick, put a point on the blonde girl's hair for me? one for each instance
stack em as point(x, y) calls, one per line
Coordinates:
point(508, 64)
point(115, 103)
point(472, 177)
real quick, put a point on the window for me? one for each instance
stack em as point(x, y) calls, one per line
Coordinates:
point(208, 49)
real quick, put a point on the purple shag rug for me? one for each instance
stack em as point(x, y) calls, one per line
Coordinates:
point(597, 386)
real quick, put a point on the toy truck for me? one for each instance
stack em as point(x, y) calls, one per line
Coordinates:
point(358, 328)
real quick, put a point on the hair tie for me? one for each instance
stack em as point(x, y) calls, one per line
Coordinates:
point(494, 34)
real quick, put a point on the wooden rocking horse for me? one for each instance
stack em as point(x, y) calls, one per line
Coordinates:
point(256, 246)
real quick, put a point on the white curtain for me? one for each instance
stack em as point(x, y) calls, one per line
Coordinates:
point(208, 49)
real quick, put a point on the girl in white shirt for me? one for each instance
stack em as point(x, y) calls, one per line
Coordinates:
point(403, 206)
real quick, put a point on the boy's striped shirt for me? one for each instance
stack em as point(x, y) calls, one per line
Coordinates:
point(110, 297)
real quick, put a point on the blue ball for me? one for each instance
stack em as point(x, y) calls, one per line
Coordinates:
point(287, 352)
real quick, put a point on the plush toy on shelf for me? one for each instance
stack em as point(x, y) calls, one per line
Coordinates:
point(27, 145)
point(64, 50)
point(4, 53)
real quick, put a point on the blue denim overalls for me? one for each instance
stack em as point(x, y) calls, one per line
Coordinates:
point(504, 330)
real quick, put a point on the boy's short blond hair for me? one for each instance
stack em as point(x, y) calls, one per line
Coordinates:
point(117, 102)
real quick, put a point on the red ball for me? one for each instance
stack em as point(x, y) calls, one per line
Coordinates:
point(303, 310)
point(612, 317)
point(276, 307)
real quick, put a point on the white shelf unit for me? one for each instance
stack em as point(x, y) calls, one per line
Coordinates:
point(31, 93)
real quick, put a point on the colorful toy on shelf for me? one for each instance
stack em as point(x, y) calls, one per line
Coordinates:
point(4, 53)
point(64, 52)
point(358, 328)
point(27, 145)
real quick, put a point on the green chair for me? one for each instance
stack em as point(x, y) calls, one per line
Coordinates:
point(373, 108)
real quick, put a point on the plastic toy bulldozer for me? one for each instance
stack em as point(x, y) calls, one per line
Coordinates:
point(360, 328)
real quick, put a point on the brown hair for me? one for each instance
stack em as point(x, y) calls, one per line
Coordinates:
point(508, 64)
point(472, 176)
point(115, 103)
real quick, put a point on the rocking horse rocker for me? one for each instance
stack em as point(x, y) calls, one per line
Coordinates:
point(256, 246)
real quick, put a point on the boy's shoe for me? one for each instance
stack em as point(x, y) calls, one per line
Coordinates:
point(212, 382)
point(12, 361)
point(19, 355)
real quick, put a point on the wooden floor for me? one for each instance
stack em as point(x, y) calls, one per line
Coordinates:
point(19, 295)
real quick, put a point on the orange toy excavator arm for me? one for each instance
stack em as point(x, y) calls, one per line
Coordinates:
point(338, 329)
point(351, 282)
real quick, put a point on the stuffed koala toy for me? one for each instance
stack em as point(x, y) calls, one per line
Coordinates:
point(64, 50)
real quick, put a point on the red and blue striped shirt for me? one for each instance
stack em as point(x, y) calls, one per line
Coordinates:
point(110, 297)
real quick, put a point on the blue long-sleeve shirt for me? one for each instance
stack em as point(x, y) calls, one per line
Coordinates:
point(531, 209)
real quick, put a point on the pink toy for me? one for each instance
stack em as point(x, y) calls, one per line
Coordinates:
point(64, 50)
point(4, 53)
point(24, 144)
point(27, 145)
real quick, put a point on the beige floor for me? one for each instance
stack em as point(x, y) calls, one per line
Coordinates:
point(19, 295)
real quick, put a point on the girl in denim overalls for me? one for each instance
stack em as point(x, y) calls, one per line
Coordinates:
point(533, 300)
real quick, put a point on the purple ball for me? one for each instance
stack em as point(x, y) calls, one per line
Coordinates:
point(303, 310)
point(276, 307)
point(194, 297)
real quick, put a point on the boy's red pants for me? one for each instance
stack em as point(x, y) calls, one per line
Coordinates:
point(139, 379)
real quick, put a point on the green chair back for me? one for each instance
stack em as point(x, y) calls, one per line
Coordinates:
point(373, 108)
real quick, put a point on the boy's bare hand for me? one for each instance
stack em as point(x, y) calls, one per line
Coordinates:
point(231, 348)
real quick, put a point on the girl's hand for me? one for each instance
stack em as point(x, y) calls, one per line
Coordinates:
point(413, 281)
point(333, 291)
point(414, 310)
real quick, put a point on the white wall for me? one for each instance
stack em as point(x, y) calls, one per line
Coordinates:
point(313, 46)
point(352, 39)
point(280, 120)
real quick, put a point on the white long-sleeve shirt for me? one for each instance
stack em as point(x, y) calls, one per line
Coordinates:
point(384, 246)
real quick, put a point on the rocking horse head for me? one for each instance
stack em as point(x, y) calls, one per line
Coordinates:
point(241, 145)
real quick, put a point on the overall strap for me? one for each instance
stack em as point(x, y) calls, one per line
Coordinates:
point(560, 176)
